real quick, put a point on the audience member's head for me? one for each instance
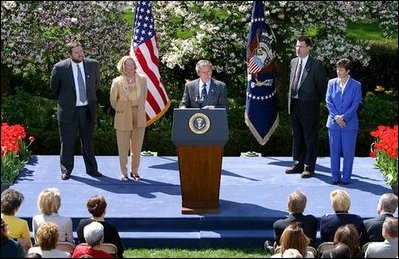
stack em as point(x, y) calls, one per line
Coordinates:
point(348, 235)
point(47, 236)
point(388, 203)
point(296, 202)
point(11, 200)
point(93, 233)
point(292, 253)
point(96, 205)
point(33, 255)
point(340, 200)
point(49, 201)
point(294, 237)
point(4, 236)
point(340, 250)
point(390, 228)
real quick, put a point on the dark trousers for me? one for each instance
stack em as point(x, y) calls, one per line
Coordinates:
point(83, 123)
point(305, 123)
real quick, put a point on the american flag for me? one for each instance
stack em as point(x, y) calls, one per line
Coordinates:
point(261, 114)
point(145, 51)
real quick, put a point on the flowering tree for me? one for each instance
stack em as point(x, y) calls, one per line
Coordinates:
point(218, 29)
point(33, 34)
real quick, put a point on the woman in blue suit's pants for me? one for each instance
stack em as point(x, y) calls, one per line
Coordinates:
point(343, 97)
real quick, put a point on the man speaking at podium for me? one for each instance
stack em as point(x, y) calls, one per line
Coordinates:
point(204, 92)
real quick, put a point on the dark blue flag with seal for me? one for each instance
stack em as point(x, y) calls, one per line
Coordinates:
point(261, 97)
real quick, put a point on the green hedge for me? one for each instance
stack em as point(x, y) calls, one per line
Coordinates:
point(37, 114)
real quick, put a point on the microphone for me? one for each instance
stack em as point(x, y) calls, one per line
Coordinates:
point(199, 100)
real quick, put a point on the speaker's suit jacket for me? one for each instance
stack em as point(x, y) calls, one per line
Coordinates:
point(309, 225)
point(386, 249)
point(374, 227)
point(63, 85)
point(217, 95)
point(329, 223)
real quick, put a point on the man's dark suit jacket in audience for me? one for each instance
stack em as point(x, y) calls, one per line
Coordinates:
point(331, 222)
point(309, 226)
point(374, 227)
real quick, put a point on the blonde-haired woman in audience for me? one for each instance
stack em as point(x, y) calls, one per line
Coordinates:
point(47, 238)
point(329, 223)
point(49, 203)
point(294, 237)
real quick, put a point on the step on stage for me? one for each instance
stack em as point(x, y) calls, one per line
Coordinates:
point(147, 213)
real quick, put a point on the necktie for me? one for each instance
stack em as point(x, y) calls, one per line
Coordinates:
point(82, 88)
point(295, 82)
point(203, 92)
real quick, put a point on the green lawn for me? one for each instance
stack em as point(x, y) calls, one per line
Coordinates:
point(191, 253)
point(365, 30)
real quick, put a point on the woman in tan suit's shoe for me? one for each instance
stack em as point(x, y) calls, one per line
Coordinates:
point(127, 97)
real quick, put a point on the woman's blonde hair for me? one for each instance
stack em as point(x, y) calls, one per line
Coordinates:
point(121, 64)
point(49, 201)
point(340, 200)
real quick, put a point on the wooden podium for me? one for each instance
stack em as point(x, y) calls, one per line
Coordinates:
point(200, 135)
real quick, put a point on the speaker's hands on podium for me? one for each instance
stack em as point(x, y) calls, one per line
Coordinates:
point(208, 107)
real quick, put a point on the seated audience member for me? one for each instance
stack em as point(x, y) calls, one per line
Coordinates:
point(296, 204)
point(386, 207)
point(340, 250)
point(9, 247)
point(18, 228)
point(294, 237)
point(97, 205)
point(292, 253)
point(388, 248)
point(49, 202)
point(94, 236)
point(329, 223)
point(47, 238)
point(349, 236)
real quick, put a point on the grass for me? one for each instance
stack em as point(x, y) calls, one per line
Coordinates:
point(190, 253)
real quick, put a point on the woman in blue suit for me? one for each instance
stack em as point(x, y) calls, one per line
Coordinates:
point(343, 97)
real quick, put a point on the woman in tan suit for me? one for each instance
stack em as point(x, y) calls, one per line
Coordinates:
point(128, 95)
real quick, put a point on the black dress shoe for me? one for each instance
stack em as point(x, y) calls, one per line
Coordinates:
point(135, 177)
point(65, 176)
point(335, 182)
point(294, 170)
point(95, 174)
point(307, 174)
point(345, 183)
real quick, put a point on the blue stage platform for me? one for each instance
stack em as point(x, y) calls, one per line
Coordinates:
point(253, 194)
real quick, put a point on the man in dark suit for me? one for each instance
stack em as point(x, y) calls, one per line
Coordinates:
point(204, 92)
point(296, 206)
point(386, 207)
point(74, 82)
point(308, 86)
